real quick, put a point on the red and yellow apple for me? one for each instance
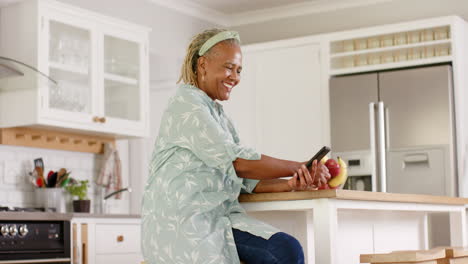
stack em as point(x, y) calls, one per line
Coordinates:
point(333, 167)
point(338, 172)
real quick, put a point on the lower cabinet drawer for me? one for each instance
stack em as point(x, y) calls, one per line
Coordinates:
point(119, 259)
point(117, 238)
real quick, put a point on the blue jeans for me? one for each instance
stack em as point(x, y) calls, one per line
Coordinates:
point(281, 248)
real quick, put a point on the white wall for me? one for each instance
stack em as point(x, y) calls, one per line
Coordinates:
point(351, 18)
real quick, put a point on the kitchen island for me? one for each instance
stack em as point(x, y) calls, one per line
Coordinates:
point(335, 226)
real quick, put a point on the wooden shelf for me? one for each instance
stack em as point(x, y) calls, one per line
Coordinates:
point(391, 65)
point(68, 68)
point(391, 48)
point(50, 139)
point(120, 79)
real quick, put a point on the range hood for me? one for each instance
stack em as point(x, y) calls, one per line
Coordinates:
point(18, 75)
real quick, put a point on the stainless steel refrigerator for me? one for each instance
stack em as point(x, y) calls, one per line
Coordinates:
point(395, 129)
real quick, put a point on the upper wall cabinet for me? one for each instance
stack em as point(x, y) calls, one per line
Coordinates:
point(98, 69)
point(393, 46)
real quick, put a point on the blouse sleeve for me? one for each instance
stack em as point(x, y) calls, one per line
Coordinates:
point(248, 184)
point(197, 130)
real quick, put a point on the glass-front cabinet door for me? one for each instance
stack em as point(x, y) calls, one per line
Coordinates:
point(123, 86)
point(70, 57)
point(73, 69)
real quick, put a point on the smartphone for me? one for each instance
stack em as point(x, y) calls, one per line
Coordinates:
point(318, 156)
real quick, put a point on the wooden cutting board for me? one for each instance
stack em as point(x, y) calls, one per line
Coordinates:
point(401, 257)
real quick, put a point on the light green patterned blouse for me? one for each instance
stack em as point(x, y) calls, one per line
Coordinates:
point(190, 203)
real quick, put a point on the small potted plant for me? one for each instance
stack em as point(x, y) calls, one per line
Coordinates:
point(79, 189)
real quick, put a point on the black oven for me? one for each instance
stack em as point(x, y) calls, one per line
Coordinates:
point(35, 241)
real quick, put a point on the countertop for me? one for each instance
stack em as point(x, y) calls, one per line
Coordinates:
point(352, 195)
point(263, 197)
point(49, 216)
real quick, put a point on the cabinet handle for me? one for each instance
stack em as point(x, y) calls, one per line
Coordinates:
point(120, 238)
point(84, 244)
point(99, 119)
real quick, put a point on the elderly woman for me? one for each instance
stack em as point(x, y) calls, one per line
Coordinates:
point(191, 212)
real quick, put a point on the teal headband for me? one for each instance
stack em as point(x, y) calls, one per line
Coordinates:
point(216, 39)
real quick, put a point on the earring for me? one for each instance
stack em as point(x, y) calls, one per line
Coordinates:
point(203, 78)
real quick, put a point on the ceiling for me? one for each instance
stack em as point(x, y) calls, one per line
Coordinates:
point(7, 2)
point(242, 12)
point(239, 6)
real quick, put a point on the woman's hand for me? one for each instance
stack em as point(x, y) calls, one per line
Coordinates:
point(304, 180)
point(322, 175)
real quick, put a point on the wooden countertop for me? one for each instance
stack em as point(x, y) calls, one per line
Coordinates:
point(50, 216)
point(34, 216)
point(352, 195)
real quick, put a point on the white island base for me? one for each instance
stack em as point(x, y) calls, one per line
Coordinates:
point(336, 226)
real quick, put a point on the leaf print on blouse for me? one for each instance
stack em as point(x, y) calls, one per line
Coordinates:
point(190, 201)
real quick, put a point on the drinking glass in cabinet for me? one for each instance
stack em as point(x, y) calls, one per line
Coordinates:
point(414, 54)
point(67, 50)
point(387, 58)
point(414, 37)
point(81, 52)
point(121, 66)
point(69, 96)
point(360, 44)
point(122, 56)
point(348, 45)
point(69, 45)
point(362, 61)
point(373, 43)
point(348, 62)
point(400, 55)
point(429, 52)
point(387, 41)
point(374, 59)
point(442, 51)
point(400, 39)
point(428, 35)
point(441, 33)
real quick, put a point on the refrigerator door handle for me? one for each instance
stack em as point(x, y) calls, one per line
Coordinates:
point(416, 159)
point(387, 126)
point(381, 147)
point(373, 146)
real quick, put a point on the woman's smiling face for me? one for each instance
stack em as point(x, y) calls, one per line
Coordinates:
point(219, 70)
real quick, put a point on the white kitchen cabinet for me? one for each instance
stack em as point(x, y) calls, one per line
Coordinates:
point(100, 65)
point(106, 240)
point(278, 106)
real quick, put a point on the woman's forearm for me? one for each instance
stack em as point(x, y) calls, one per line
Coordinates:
point(265, 168)
point(274, 185)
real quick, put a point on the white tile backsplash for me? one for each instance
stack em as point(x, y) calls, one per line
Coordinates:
point(2, 171)
point(16, 162)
